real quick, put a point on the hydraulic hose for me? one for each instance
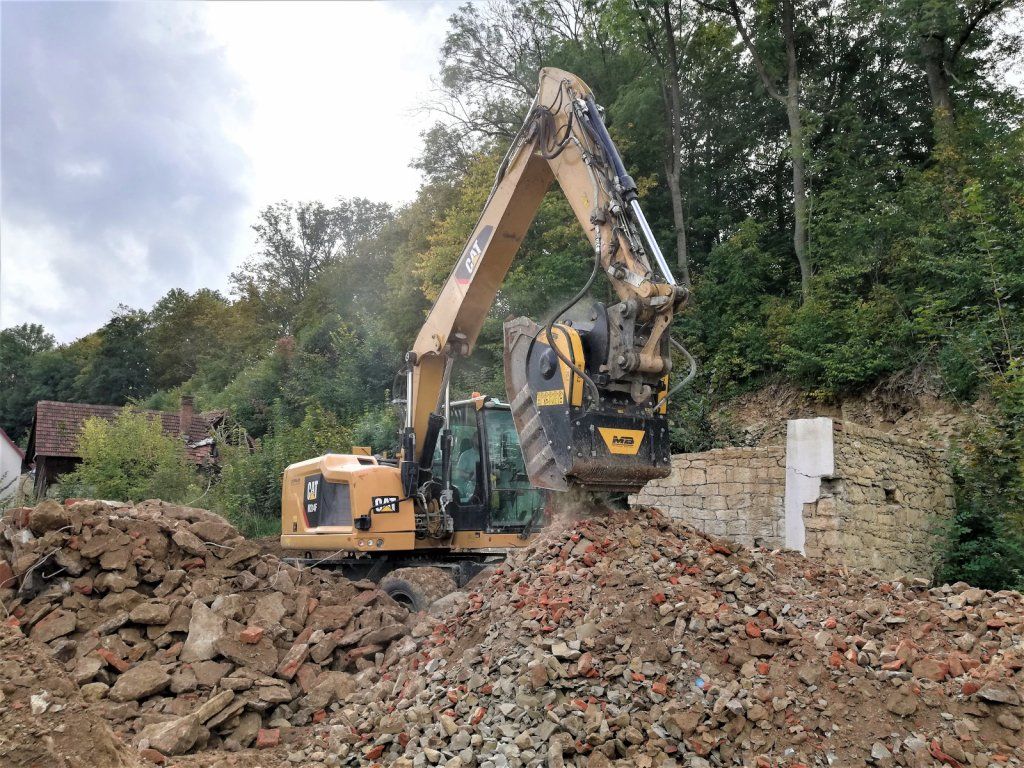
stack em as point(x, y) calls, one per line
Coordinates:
point(595, 392)
point(689, 376)
point(605, 140)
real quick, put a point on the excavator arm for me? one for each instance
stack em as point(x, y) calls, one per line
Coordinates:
point(588, 387)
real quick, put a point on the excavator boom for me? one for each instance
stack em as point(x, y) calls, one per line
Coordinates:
point(588, 385)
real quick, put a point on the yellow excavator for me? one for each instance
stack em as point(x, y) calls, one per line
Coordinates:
point(587, 389)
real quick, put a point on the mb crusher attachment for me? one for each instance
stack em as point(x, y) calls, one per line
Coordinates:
point(571, 433)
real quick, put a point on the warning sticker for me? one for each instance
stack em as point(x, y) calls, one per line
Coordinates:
point(551, 397)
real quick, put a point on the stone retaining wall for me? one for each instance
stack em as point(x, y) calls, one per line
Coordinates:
point(857, 496)
point(735, 493)
point(883, 505)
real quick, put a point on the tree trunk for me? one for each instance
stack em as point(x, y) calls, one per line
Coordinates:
point(933, 51)
point(791, 100)
point(796, 143)
point(673, 167)
point(673, 171)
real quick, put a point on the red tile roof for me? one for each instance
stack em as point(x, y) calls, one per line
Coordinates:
point(14, 445)
point(57, 426)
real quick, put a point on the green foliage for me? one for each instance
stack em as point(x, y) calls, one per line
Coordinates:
point(120, 369)
point(249, 491)
point(378, 428)
point(985, 544)
point(297, 244)
point(20, 346)
point(187, 331)
point(130, 459)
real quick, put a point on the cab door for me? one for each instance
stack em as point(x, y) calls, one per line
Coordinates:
point(513, 504)
point(468, 479)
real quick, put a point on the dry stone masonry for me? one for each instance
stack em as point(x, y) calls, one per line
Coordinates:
point(735, 493)
point(883, 506)
point(839, 491)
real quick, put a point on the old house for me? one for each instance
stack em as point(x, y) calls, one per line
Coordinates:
point(53, 441)
point(11, 458)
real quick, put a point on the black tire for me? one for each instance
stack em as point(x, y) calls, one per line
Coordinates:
point(417, 588)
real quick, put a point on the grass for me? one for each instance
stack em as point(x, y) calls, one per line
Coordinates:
point(253, 525)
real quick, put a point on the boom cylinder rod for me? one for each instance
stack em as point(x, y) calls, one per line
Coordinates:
point(659, 257)
point(408, 397)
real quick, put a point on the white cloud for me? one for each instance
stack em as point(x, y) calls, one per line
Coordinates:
point(77, 169)
point(336, 91)
point(141, 140)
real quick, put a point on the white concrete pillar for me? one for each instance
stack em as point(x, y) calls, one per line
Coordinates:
point(809, 457)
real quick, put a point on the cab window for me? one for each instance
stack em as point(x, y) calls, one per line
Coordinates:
point(465, 455)
point(513, 501)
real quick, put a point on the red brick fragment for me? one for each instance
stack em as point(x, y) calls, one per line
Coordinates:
point(7, 579)
point(152, 755)
point(251, 635)
point(113, 659)
point(268, 738)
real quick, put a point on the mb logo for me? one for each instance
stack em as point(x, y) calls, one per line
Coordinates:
point(622, 440)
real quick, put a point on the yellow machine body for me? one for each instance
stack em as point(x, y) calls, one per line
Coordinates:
point(353, 504)
point(323, 498)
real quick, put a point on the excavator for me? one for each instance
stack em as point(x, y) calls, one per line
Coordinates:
point(587, 389)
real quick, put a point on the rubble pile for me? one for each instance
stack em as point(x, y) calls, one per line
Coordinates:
point(181, 633)
point(43, 719)
point(628, 640)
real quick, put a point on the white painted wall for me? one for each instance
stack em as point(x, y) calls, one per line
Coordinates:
point(10, 468)
point(809, 457)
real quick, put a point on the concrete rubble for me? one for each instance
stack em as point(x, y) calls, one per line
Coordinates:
point(622, 639)
point(179, 632)
point(629, 640)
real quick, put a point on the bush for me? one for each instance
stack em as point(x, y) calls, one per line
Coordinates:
point(131, 459)
point(249, 491)
point(985, 544)
point(378, 428)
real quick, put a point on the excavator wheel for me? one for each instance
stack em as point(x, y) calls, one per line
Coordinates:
point(417, 588)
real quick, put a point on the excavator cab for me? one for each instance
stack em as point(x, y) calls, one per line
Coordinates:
point(490, 487)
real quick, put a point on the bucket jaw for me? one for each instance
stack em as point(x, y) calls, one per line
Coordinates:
point(566, 438)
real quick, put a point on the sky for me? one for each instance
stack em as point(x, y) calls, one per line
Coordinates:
point(138, 141)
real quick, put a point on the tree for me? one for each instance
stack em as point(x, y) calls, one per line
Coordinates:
point(18, 346)
point(297, 243)
point(946, 31)
point(186, 330)
point(661, 24)
point(121, 369)
point(790, 99)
